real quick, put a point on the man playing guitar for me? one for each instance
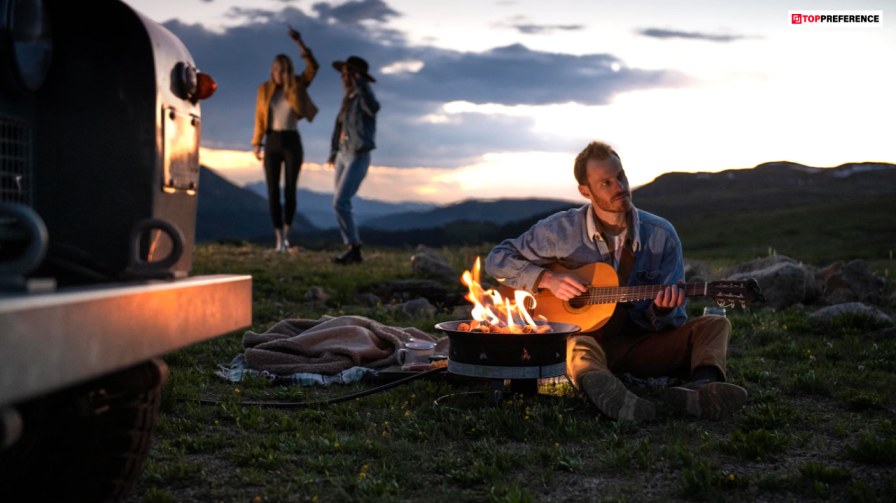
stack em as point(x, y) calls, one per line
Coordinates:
point(646, 338)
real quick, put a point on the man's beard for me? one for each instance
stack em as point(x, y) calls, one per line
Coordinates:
point(617, 204)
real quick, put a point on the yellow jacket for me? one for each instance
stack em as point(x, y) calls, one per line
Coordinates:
point(298, 99)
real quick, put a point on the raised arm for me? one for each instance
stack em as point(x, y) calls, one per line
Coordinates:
point(311, 64)
point(369, 104)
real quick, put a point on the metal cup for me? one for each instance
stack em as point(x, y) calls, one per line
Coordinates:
point(416, 351)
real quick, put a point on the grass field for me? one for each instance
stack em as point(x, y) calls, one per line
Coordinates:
point(820, 423)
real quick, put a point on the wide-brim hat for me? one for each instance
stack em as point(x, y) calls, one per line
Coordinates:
point(356, 63)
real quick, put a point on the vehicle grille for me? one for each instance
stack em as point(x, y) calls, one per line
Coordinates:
point(15, 161)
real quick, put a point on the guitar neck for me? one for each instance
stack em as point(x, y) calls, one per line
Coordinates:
point(612, 294)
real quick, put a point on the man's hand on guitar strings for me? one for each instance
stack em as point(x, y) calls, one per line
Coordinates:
point(670, 297)
point(564, 286)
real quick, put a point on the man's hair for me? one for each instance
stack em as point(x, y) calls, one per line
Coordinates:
point(596, 150)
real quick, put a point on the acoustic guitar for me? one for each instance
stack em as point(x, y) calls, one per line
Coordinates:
point(592, 309)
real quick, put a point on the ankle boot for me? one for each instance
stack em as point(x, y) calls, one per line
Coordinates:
point(612, 398)
point(712, 400)
point(351, 256)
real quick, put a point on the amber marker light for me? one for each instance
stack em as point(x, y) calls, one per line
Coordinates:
point(205, 86)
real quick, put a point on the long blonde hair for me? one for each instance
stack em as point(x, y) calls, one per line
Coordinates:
point(289, 71)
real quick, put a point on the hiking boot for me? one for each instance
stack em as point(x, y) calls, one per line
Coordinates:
point(706, 400)
point(614, 399)
point(351, 256)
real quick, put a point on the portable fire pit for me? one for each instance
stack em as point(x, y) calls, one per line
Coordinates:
point(521, 358)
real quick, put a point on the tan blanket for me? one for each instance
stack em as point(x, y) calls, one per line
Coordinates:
point(328, 345)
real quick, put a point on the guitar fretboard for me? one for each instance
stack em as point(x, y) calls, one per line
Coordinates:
point(613, 294)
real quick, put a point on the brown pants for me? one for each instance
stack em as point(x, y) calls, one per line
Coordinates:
point(701, 341)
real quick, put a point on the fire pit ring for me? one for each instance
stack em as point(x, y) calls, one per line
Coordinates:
point(507, 356)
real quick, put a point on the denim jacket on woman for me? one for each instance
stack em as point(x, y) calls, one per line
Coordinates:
point(358, 121)
point(571, 239)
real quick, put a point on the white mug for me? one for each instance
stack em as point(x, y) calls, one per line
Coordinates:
point(416, 351)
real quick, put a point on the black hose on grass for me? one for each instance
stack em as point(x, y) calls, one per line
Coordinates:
point(338, 399)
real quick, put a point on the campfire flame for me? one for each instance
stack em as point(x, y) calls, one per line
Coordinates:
point(492, 310)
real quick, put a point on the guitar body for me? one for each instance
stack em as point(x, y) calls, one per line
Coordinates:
point(588, 316)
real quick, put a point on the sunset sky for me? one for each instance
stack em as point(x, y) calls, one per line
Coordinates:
point(494, 98)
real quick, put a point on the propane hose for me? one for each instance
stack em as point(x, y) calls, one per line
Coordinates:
point(330, 401)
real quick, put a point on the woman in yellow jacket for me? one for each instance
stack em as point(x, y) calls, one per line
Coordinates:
point(281, 103)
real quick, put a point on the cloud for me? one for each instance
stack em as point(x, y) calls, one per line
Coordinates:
point(516, 74)
point(545, 29)
point(353, 12)
point(413, 84)
point(526, 27)
point(711, 37)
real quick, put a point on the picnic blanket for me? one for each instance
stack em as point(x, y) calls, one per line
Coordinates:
point(329, 345)
point(237, 371)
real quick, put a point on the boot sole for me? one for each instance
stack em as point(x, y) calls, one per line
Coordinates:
point(712, 401)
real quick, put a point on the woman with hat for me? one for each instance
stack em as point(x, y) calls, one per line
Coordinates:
point(281, 103)
point(350, 146)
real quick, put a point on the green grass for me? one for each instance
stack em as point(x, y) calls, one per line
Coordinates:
point(819, 423)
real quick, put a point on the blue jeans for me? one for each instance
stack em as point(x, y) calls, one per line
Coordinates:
point(351, 168)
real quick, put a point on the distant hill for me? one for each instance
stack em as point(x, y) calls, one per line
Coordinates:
point(782, 206)
point(773, 184)
point(317, 207)
point(499, 212)
point(227, 211)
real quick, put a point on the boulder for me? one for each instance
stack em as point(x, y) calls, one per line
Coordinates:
point(414, 309)
point(368, 299)
point(462, 312)
point(851, 282)
point(695, 271)
point(757, 265)
point(317, 294)
point(826, 315)
point(785, 283)
point(429, 263)
point(407, 289)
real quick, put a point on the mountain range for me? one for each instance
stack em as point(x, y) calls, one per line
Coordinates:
point(226, 211)
point(744, 212)
point(317, 207)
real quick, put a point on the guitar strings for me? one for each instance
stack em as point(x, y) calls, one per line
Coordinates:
point(613, 294)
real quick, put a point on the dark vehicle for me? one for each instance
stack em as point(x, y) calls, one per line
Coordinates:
point(99, 177)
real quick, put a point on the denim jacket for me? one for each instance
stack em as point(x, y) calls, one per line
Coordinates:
point(358, 121)
point(571, 238)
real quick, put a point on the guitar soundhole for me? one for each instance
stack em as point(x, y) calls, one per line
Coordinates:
point(577, 303)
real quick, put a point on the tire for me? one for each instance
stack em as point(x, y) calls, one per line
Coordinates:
point(86, 443)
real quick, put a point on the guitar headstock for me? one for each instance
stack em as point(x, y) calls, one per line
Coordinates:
point(729, 293)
